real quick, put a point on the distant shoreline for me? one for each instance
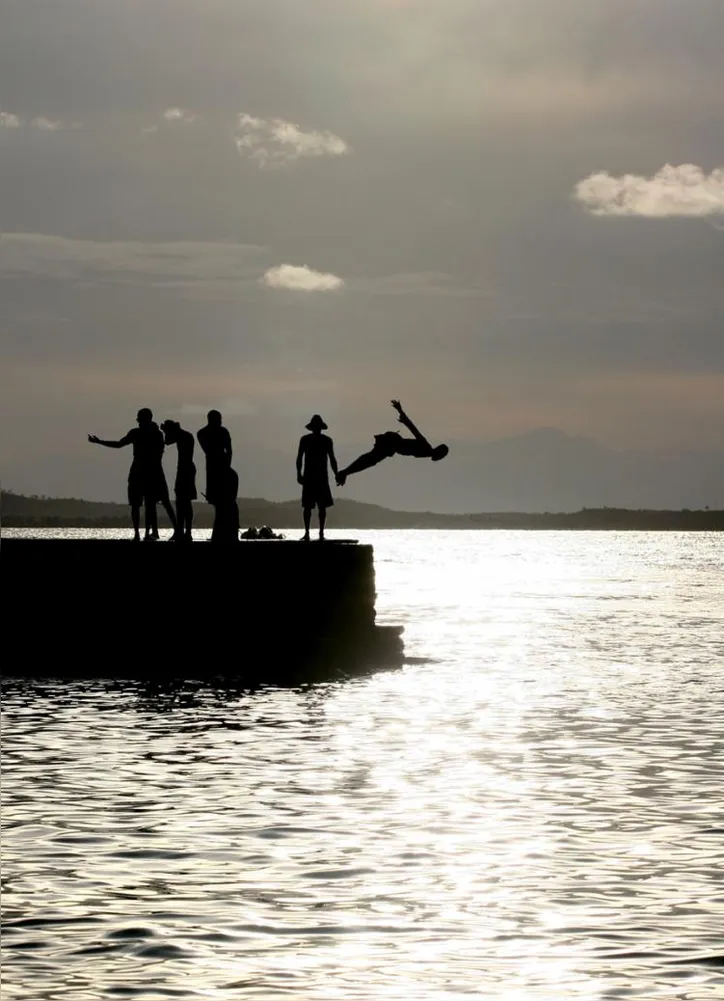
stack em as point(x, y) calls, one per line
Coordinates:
point(19, 511)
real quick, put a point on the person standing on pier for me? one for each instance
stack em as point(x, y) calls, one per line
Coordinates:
point(392, 443)
point(185, 484)
point(315, 451)
point(146, 481)
point(222, 482)
point(215, 442)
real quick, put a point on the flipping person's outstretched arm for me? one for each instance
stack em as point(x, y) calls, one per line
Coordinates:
point(404, 419)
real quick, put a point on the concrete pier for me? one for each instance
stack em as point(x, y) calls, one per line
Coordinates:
point(257, 612)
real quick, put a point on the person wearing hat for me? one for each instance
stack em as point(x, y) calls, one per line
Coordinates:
point(392, 443)
point(315, 451)
point(185, 485)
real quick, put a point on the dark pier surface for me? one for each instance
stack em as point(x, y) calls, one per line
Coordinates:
point(267, 612)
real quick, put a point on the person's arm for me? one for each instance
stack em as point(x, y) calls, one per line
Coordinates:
point(95, 440)
point(300, 458)
point(227, 444)
point(404, 419)
point(332, 457)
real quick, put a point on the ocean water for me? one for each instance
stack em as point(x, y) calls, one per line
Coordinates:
point(532, 808)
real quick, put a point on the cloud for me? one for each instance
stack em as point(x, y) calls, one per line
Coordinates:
point(417, 283)
point(8, 121)
point(301, 279)
point(220, 269)
point(273, 142)
point(235, 406)
point(46, 124)
point(673, 191)
point(182, 115)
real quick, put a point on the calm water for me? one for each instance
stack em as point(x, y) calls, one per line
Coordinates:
point(536, 811)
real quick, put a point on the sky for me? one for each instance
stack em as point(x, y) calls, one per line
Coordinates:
point(509, 214)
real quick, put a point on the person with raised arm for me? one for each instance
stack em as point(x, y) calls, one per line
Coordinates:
point(146, 481)
point(393, 443)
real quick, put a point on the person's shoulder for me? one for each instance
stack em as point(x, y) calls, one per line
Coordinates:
point(133, 433)
point(327, 438)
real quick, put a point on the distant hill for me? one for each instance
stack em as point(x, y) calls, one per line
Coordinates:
point(540, 470)
point(19, 511)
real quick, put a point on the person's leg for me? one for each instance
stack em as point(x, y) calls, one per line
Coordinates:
point(322, 512)
point(185, 515)
point(180, 520)
point(171, 514)
point(307, 514)
point(136, 520)
point(151, 520)
point(365, 461)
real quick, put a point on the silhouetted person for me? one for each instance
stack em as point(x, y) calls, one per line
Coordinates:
point(222, 482)
point(185, 483)
point(215, 441)
point(315, 450)
point(226, 510)
point(146, 481)
point(392, 443)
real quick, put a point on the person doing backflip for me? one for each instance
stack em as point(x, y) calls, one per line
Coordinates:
point(393, 443)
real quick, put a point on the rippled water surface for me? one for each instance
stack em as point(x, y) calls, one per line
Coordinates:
point(533, 808)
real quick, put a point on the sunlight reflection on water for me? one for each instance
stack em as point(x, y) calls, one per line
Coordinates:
point(531, 809)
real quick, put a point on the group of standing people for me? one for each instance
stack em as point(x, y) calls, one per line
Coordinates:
point(147, 483)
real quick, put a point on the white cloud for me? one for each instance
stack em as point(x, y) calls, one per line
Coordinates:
point(673, 191)
point(182, 115)
point(46, 124)
point(9, 121)
point(301, 279)
point(273, 142)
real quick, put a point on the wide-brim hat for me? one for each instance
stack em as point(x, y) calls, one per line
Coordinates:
point(316, 423)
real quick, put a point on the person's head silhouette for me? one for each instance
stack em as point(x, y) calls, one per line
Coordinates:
point(316, 424)
point(214, 418)
point(439, 452)
point(144, 416)
point(171, 431)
